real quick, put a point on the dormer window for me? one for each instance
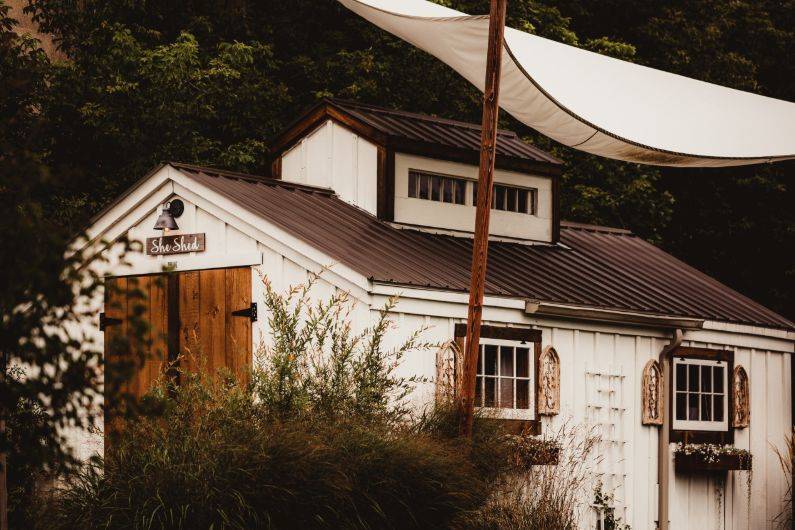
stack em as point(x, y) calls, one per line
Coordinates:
point(439, 188)
point(457, 190)
point(511, 199)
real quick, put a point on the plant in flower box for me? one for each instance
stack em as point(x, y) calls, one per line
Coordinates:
point(529, 450)
point(710, 457)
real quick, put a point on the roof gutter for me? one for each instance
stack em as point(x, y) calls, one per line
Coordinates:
point(548, 309)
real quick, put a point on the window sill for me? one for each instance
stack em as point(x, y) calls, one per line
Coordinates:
point(702, 437)
point(506, 414)
point(520, 427)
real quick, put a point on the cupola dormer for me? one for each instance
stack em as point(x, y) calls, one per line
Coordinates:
point(419, 171)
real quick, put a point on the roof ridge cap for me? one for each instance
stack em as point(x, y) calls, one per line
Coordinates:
point(417, 115)
point(268, 181)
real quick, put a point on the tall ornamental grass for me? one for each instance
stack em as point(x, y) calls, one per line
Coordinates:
point(317, 436)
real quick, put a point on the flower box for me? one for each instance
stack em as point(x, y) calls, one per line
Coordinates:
point(710, 460)
point(544, 457)
point(533, 451)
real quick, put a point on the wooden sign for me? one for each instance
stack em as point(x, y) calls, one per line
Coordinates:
point(177, 244)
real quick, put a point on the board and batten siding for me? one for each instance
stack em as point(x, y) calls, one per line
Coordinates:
point(601, 376)
point(334, 157)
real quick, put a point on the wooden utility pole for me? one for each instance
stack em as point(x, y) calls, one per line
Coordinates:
point(480, 244)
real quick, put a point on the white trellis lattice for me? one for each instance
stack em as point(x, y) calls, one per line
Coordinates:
point(606, 411)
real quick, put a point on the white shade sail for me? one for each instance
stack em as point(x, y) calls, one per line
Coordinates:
point(595, 103)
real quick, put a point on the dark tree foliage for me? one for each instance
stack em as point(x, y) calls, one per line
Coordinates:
point(211, 82)
point(737, 224)
point(150, 81)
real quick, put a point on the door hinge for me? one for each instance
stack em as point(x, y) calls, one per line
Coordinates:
point(105, 321)
point(250, 312)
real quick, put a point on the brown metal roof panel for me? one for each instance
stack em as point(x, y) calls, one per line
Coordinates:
point(600, 268)
point(441, 131)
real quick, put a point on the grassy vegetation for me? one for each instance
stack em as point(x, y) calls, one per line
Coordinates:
point(319, 436)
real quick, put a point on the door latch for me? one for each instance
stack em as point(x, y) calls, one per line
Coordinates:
point(250, 312)
point(105, 321)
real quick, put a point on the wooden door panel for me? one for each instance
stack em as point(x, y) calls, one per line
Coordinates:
point(238, 328)
point(206, 335)
point(212, 319)
point(115, 333)
point(156, 360)
point(137, 310)
point(189, 309)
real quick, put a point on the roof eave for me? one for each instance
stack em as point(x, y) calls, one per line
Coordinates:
point(548, 309)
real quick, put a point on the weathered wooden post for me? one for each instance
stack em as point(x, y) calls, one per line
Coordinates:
point(480, 244)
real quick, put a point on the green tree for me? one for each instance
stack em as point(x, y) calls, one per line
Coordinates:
point(210, 82)
point(141, 88)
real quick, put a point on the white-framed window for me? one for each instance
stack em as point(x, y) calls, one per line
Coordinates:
point(511, 199)
point(506, 379)
point(434, 187)
point(457, 190)
point(701, 399)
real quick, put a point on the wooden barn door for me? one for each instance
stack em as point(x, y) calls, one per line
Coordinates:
point(215, 320)
point(198, 320)
point(136, 330)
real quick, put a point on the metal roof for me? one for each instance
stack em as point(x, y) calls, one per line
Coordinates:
point(440, 131)
point(593, 266)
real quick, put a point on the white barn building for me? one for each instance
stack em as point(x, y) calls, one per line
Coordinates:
point(385, 200)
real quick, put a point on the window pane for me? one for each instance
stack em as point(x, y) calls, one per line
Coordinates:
point(491, 384)
point(706, 379)
point(718, 410)
point(692, 414)
point(491, 359)
point(522, 362)
point(413, 184)
point(506, 392)
point(681, 406)
point(522, 394)
point(424, 186)
point(460, 189)
point(511, 198)
point(706, 407)
point(499, 194)
point(448, 190)
point(479, 392)
point(532, 199)
point(717, 373)
point(681, 377)
point(506, 361)
point(522, 206)
point(474, 194)
point(436, 185)
point(480, 362)
point(692, 377)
